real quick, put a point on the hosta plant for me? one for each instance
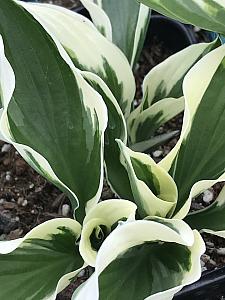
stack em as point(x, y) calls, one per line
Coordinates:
point(66, 94)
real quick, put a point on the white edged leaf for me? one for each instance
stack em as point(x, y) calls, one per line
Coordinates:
point(63, 140)
point(199, 153)
point(99, 18)
point(154, 191)
point(149, 120)
point(126, 24)
point(99, 222)
point(152, 259)
point(166, 79)
point(211, 218)
point(89, 49)
point(208, 14)
point(49, 248)
point(116, 129)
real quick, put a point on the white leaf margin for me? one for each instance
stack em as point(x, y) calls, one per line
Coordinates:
point(43, 231)
point(106, 213)
point(136, 233)
point(8, 85)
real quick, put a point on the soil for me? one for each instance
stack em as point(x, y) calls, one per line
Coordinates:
point(27, 199)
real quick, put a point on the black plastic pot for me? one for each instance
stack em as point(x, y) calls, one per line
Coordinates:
point(211, 286)
point(175, 35)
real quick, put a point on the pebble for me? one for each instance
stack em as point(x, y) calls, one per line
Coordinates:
point(2, 201)
point(20, 201)
point(205, 258)
point(210, 244)
point(6, 148)
point(7, 177)
point(81, 274)
point(31, 186)
point(25, 202)
point(220, 251)
point(157, 153)
point(2, 237)
point(208, 196)
point(65, 210)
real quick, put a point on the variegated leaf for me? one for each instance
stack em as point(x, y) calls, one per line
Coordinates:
point(116, 129)
point(154, 191)
point(89, 50)
point(207, 14)
point(41, 264)
point(165, 81)
point(197, 161)
point(154, 142)
point(210, 219)
point(125, 26)
point(54, 118)
point(152, 259)
point(147, 122)
point(99, 222)
point(99, 18)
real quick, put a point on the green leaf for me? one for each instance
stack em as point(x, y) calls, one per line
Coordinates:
point(89, 50)
point(42, 263)
point(154, 191)
point(199, 154)
point(210, 219)
point(207, 14)
point(152, 259)
point(54, 119)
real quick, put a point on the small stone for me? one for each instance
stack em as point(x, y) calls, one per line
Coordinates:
point(208, 196)
point(6, 148)
point(160, 130)
point(196, 29)
point(17, 219)
point(2, 200)
point(65, 210)
point(81, 274)
point(8, 173)
point(157, 153)
point(6, 161)
point(220, 251)
point(210, 244)
point(205, 258)
point(204, 269)
point(2, 237)
point(15, 234)
point(20, 201)
point(7, 177)
point(25, 202)
point(31, 186)
point(8, 205)
point(38, 189)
